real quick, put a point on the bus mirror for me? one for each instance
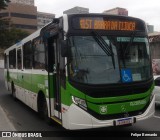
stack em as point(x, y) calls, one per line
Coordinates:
point(64, 48)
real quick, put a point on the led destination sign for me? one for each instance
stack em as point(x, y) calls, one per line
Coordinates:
point(107, 25)
point(100, 23)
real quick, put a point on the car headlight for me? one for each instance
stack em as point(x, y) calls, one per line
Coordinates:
point(80, 102)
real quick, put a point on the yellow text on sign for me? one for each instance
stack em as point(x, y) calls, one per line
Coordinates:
point(107, 25)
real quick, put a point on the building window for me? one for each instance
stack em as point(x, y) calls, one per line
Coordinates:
point(21, 26)
point(23, 15)
point(4, 14)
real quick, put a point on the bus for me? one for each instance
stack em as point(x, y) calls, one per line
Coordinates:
point(84, 71)
point(154, 41)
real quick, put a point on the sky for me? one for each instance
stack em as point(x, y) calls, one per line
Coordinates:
point(147, 10)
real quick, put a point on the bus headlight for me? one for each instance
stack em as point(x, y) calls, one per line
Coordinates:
point(80, 102)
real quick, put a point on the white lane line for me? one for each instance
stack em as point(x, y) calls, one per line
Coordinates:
point(156, 117)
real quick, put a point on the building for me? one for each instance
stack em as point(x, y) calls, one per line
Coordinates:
point(154, 38)
point(117, 11)
point(154, 41)
point(76, 10)
point(150, 28)
point(43, 19)
point(22, 14)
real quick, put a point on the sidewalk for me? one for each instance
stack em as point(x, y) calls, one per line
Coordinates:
point(6, 125)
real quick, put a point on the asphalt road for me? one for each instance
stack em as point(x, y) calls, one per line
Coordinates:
point(25, 119)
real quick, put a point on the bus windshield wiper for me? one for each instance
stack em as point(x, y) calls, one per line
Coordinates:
point(130, 42)
point(123, 51)
point(121, 54)
point(105, 47)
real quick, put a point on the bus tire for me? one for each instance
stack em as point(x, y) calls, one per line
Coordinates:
point(43, 110)
point(13, 92)
point(156, 105)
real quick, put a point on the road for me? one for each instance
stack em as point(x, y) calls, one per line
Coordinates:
point(25, 119)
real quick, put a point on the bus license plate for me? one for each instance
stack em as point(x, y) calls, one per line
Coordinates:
point(124, 121)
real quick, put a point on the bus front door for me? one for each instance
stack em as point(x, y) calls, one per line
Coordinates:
point(54, 82)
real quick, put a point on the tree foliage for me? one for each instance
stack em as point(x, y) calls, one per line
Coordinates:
point(11, 36)
point(8, 34)
point(3, 21)
point(3, 4)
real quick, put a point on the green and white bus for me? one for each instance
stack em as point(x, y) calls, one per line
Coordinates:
point(84, 71)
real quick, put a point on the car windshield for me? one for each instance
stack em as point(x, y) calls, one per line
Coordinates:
point(108, 60)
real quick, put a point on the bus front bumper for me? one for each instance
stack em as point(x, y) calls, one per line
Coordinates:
point(77, 118)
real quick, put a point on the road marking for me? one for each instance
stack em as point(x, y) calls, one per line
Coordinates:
point(156, 117)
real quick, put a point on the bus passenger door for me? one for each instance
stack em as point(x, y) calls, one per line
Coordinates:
point(53, 68)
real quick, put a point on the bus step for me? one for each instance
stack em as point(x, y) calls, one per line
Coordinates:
point(57, 120)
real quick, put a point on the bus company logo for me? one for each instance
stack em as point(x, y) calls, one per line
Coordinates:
point(137, 103)
point(103, 109)
point(6, 135)
point(123, 108)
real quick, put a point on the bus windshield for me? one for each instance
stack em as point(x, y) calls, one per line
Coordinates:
point(91, 64)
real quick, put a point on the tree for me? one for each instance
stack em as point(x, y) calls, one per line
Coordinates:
point(11, 36)
point(3, 4)
point(8, 34)
point(3, 21)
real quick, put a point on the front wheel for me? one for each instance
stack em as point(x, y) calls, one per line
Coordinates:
point(44, 112)
point(156, 105)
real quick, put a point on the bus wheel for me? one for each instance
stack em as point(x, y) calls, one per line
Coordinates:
point(13, 92)
point(44, 111)
point(156, 105)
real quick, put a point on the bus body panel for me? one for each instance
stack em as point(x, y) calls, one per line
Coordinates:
point(77, 118)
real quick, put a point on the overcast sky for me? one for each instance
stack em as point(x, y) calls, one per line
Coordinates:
point(148, 10)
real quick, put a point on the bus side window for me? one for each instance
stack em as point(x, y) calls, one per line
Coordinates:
point(12, 59)
point(19, 59)
point(5, 62)
point(27, 58)
point(38, 54)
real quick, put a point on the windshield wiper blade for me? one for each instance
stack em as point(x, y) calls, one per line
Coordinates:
point(113, 60)
point(130, 42)
point(106, 48)
point(102, 43)
point(121, 54)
